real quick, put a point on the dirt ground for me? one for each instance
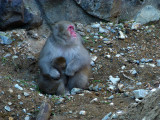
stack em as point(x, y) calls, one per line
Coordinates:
point(24, 71)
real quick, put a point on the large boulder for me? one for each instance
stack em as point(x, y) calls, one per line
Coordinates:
point(148, 14)
point(14, 14)
point(56, 10)
point(147, 109)
point(117, 9)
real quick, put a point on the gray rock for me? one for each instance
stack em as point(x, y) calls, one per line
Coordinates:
point(102, 30)
point(82, 112)
point(57, 10)
point(26, 94)
point(5, 40)
point(18, 87)
point(96, 88)
point(111, 97)
point(96, 37)
point(19, 13)
point(105, 39)
point(60, 100)
point(141, 93)
point(7, 108)
point(7, 55)
point(158, 62)
point(76, 91)
point(107, 117)
point(95, 25)
point(148, 14)
point(27, 117)
point(121, 35)
point(114, 80)
point(139, 83)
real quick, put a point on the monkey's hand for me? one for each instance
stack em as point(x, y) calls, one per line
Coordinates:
point(69, 71)
point(54, 74)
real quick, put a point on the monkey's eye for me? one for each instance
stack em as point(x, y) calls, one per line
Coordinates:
point(71, 27)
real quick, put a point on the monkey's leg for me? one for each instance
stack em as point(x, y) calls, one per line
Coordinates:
point(79, 80)
point(61, 89)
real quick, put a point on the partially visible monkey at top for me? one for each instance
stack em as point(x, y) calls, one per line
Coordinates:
point(64, 43)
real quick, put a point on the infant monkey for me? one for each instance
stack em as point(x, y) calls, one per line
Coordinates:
point(54, 86)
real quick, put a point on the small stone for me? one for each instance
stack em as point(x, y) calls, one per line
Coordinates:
point(19, 97)
point(126, 94)
point(111, 97)
point(108, 56)
point(92, 63)
point(114, 116)
point(158, 62)
point(95, 88)
point(123, 67)
point(107, 117)
point(91, 87)
point(121, 35)
point(10, 90)
point(141, 93)
point(26, 94)
point(96, 25)
point(41, 95)
point(14, 57)
point(119, 112)
point(76, 91)
point(133, 71)
point(118, 55)
point(30, 57)
point(135, 26)
point(105, 39)
point(60, 100)
point(5, 40)
point(143, 60)
point(111, 87)
point(81, 94)
point(93, 58)
point(94, 100)
point(114, 80)
point(7, 55)
point(120, 87)
point(82, 112)
point(139, 83)
point(111, 104)
point(11, 118)
point(7, 108)
point(18, 87)
point(27, 117)
point(24, 110)
point(152, 65)
point(102, 30)
point(35, 36)
point(70, 112)
point(96, 37)
point(9, 103)
point(21, 103)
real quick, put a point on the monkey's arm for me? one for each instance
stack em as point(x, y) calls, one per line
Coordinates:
point(47, 69)
point(77, 63)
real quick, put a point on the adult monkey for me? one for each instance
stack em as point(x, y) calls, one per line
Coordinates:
point(65, 42)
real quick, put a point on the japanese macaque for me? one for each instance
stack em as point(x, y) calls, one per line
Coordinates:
point(50, 85)
point(65, 42)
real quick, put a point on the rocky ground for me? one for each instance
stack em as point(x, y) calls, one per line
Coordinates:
point(125, 68)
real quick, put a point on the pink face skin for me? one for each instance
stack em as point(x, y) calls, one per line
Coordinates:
point(71, 30)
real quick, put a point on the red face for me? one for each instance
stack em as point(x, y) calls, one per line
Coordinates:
point(71, 30)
